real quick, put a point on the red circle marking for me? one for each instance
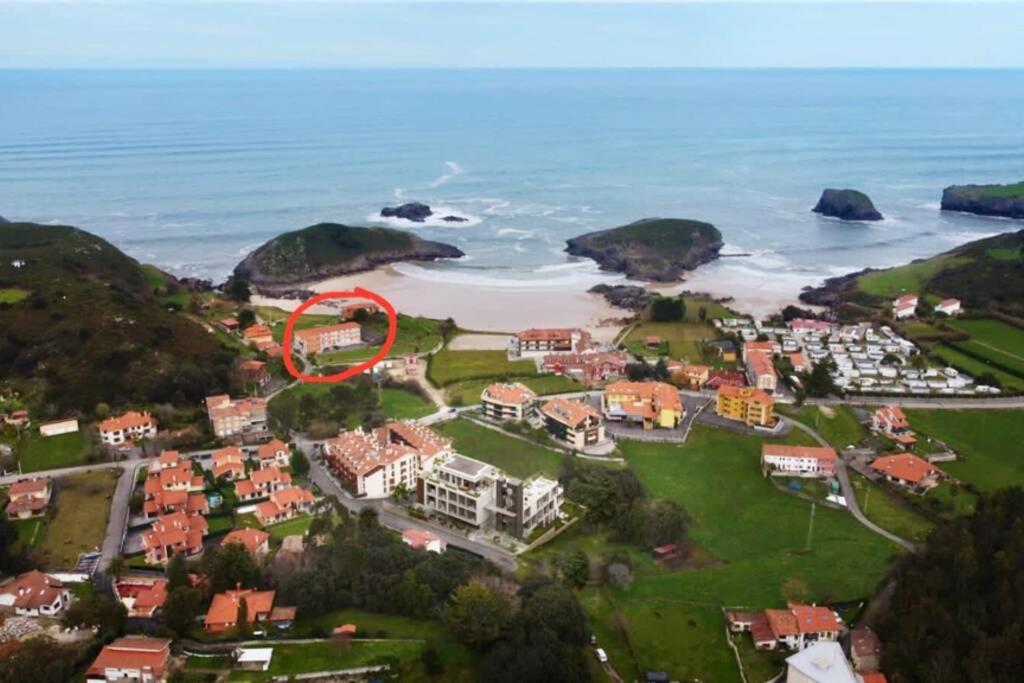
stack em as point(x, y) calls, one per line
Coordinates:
point(357, 293)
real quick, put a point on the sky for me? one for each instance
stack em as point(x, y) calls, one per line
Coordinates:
point(530, 34)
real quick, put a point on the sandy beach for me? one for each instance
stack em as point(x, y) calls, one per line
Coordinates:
point(489, 309)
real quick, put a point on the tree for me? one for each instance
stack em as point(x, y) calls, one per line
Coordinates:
point(818, 382)
point(702, 313)
point(246, 318)
point(477, 615)
point(117, 566)
point(177, 572)
point(368, 520)
point(575, 568)
point(181, 608)
point(229, 566)
point(243, 616)
point(299, 463)
point(95, 608)
point(432, 662)
point(660, 370)
point(668, 309)
point(237, 289)
point(40, 660)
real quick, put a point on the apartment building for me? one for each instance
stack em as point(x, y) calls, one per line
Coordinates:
point(749, 405)
point(374, 463)
point(480, 495)
point(537, 342)
point(761, 372)
point(502, 401)
point(229, 417)
point(798, 461)
point(575, 424)
point(651, 404)
point(116, 431)
point(136, 659)
point(319, 339)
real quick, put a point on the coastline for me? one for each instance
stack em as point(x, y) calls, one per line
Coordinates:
point(477, 307)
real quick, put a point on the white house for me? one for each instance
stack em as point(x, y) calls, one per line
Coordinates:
point(950, 307)
point(58, 427)
point(35, 594)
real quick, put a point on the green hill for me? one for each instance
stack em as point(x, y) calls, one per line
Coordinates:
point(84, 327)
point(329, 249)
point(659, 249)
point(986, 275)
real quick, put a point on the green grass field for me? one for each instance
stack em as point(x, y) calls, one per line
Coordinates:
point(683, 339)
point(468, 393)
point(988, 439)
point(50, 452)
point(889, 512)
point(298, 658)
point(414, 335)
point(905, 279)
point(837, 424)
point(517, 457)
point(30, 532)
point(79, 521)
point(13, 295)
point(994, 339)
point(672, 621)
point(448, 367)
point(975, 367)
point(399, 404)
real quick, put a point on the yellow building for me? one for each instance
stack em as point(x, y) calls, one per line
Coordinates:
point(749, 405)
point(649, 403)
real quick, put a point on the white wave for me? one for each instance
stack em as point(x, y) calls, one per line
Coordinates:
point(575, 278)
point(959, 237)
point(931, 206)
point(519, 234)
point(519, 248)
point(434, 221)
point(454, 171)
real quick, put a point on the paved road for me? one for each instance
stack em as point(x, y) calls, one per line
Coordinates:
point(851, 498)
point(63, 471)
point(117, 522)
point(323, 479)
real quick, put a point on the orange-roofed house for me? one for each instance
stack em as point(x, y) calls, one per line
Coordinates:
point(166, 459)
point(424, 540)
point(892, 421)
point(284, 504)
point(767, 347)
point(133, 658)
point(262, 483)
point(865, 649)
point(27, 499)
point(588, 368)
point(798, 461)
point(230, 324)
point(760, 370)
point(229, 417)
point(142, 596)
point(169, 502)
point(692, 376)
point(905, 306)
point(374, 463)
point(540, 342)
point(651, 404)
point(229, 463)
point(256, 541)
point(259, 333)
point(749, 405)
point(794, 628)
point(274, 453)
point(799, 362)
point(170, 534)
point(507, 401)
point(350, 311)
point(319, 339)
point(950, 307)
point(907, 470)
point(115, 431)
point(254, 372)
point(223, 612)
point(35, 594)
point(576, 424)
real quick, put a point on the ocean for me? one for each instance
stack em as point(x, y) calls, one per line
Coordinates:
point(190, 170)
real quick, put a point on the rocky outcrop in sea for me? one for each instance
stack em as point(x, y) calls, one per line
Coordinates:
point(848, 205)
point(1005, 201)
point(416, 212)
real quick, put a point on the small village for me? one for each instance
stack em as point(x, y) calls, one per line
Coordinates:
point(258, 489)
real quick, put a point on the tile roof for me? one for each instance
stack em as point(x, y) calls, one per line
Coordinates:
point(224, 608)
point(512, 394)
point(252, 539)
point(660, 395)
point(419, 539)
point(547, 334)
point(272, 448)
point(133, 652)
point(760, 364)
point(779, 450)
point(28, 488)
point(569, 412)
point(33, 590)
point(904, 466)
point(747, 393)
point(129, 420)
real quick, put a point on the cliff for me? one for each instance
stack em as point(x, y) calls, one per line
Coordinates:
point(330, 249)
point(658, 249)
point(849, 205)
point(1006, 201)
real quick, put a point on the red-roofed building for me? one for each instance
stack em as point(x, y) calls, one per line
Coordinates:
point(255, 334)
point(907, 470)
point(760, 370)
point(720, 378)
point(262, 483)
point(223, 612)
point(170, 534)
point(803, 325)
point(27, 499)
point(132, 658)
point(588, 368)
point(284, 504)
point(950, 307)
point(576, 424)
point(799, 461)
point(274, 453)
point(35, 594)
point(349, 312)
point(540, 342)
point(424, 540)
point(256, 541)
point(142, 596)
point(229, 417)
point(253, 372)
point(170, 502)
point(507, 401)
point(115, 431)
point(794, 628)
point(892, 421)
point(749, 405)
point(651, 404)
point(229, 463)
point(318, 339)
point(865, 649)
